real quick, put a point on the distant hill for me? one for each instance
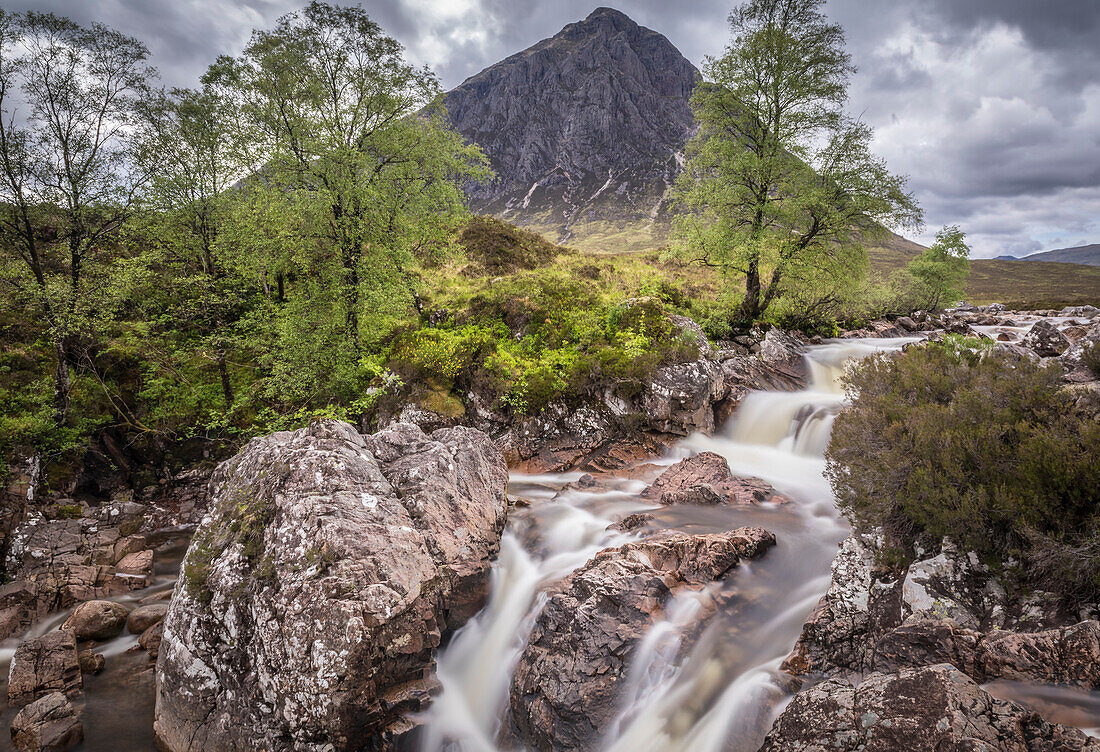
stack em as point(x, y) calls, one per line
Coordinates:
point(1006, 257)
point(1089, 255)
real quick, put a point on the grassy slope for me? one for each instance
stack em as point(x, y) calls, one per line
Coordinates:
point(1031, 284)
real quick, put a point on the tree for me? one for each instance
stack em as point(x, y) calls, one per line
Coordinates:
point(779, 184)
point(343, 123)
point(191, 152)
point(65, 168)
point(938, 275)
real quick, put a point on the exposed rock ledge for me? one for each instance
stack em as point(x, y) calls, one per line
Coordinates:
point(316, 589)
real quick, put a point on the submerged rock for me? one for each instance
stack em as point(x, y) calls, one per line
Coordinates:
point(316, 590)
point(928, 709)
point(565, 683)
point(706, 479)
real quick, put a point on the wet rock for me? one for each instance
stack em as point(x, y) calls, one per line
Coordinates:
point(97, 620)
point(1045, 339)
point(43, 665)
point(91, 662)
point(49, 724)
point(1081, 312)
point(784, 349)
point(317, 589)
point(143, 617)
point(680, 399)
point(927, 709)
point(151, 639)
point(565, 683)
point(1069, 656)
point(907, 324)
point(706, 479)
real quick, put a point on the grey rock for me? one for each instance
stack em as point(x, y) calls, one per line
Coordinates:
point(1045, 339)
point(318, 586)
point(143, 617)
point(43, 665)
point(97, 620)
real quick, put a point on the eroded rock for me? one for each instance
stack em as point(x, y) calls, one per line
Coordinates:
point(565, 683)
point(316, 590)
point(49, 724)
point(1045, 339)
point(97, 620)
point(43, 665)
point(706, 479)
point(929, 709)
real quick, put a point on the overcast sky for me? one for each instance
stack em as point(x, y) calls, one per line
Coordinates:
point(991, 107)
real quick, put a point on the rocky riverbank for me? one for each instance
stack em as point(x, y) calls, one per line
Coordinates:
point(252, 563)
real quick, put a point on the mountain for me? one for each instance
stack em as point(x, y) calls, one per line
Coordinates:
point(585, 132)
point(1006, 257)
point(1089, 255)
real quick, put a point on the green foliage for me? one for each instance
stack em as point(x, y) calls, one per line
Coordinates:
point(780, 186)
point(937, 277)
point(984, 448)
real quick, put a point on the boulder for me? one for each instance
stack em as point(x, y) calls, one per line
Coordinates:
point(43, 665)
point(566, 681)
point(1045, 339)
point(91, 662)
point(97, 620)
point(49, 724)
point(143, 617)
point(928, 709)
point(907, 324)
point(706, 479)
point(151, 639)
point(680, 399)
point(317, 588)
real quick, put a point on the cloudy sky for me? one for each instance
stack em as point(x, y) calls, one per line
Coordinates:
point(992, 107)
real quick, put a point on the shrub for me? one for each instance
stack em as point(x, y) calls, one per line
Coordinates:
point(1090, 356)
point(984, 448)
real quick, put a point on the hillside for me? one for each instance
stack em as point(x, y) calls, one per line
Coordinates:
point(584, 131)
point(1089, 255)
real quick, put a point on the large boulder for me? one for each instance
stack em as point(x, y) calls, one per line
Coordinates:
point(143, 617)
point(566, 681)
point(706, 479)
point(97, 620)
point(928, 709)
point(680, 398)
point(1045, 339)
point(43, 665)
point(317, 588)
point(49, 724)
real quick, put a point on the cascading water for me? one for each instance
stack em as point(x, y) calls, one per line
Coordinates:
point(724, 690)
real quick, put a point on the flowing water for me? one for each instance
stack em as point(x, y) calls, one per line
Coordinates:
point(723, 691)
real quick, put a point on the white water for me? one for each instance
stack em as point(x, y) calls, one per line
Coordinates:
point(724, 692)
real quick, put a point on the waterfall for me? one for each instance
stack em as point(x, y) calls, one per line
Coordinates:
point(720, 690)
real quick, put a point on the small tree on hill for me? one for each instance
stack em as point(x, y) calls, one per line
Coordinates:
point(780, 185)
point(938, 275)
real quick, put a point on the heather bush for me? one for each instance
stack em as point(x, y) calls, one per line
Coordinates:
point(981, 447)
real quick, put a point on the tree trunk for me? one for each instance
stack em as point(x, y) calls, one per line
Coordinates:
point(279, 291)
point(62, 382)
point(750, 306)
point(223, 372)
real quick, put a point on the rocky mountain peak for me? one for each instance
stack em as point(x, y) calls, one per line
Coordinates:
point(584, 130)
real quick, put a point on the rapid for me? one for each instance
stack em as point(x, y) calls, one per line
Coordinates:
point(724, 690)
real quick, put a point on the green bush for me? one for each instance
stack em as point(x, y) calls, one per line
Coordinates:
point(984, 448)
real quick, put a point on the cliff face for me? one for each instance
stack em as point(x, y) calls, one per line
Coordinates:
point(584, 130)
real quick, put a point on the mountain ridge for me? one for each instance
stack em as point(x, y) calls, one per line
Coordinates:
point(1089, 255)
point(584, 129)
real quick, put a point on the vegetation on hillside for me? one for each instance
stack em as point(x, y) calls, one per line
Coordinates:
point(954, 440)
point(779, 179)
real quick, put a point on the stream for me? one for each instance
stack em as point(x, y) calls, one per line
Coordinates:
point(726, 690)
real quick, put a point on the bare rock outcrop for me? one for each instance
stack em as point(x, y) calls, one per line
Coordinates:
point(43, 665)
point(706, 479)
point(317, 588)
point(564, 686)
point(1045, 339)
point(927, 709)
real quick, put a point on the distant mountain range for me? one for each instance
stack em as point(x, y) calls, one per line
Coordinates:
point(1089, 255)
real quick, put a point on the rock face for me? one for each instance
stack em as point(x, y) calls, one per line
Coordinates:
point(584, 127)
point(49, 724)
point(316, 590)
point(44, 665)
point(919, 710)
point(941, 611)
point(564, 686)
point(706, 479)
